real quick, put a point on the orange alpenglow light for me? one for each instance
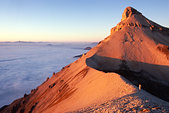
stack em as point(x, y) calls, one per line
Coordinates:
point(107, 78)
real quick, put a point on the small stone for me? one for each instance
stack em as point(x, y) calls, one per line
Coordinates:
point(47, 78)
point(160, 29)
point(154, 108)
point(142, 106)
point(145, 110)
point(25, 95)
point(146, 101)
point(118, 111)
point(139, 87)
point(106, 111)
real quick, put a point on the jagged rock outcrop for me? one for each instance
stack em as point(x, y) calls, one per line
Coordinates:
point(132, 18)
point(137, 50)
point(128, 12)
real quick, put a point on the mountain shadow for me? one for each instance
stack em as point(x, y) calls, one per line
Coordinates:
point(148, 81)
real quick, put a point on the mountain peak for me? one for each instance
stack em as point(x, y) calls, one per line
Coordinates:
point(129, 11)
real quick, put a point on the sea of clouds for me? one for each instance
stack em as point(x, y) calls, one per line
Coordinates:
point(25, 65)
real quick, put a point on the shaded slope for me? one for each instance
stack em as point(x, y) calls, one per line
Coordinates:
point(146, 79)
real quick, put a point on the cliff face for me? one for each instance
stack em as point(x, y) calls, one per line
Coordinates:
point(137, 50)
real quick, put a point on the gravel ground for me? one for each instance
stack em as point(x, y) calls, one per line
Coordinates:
point(135, 103)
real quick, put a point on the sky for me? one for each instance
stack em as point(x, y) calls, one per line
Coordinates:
point(71, 20)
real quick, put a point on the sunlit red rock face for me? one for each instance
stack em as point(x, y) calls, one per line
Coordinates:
point(137, 50)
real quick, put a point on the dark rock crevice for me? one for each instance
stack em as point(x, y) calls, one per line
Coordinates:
point(164, 49)
point(33, 107)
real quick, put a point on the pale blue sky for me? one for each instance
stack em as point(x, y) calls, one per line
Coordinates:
point(70, 20)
